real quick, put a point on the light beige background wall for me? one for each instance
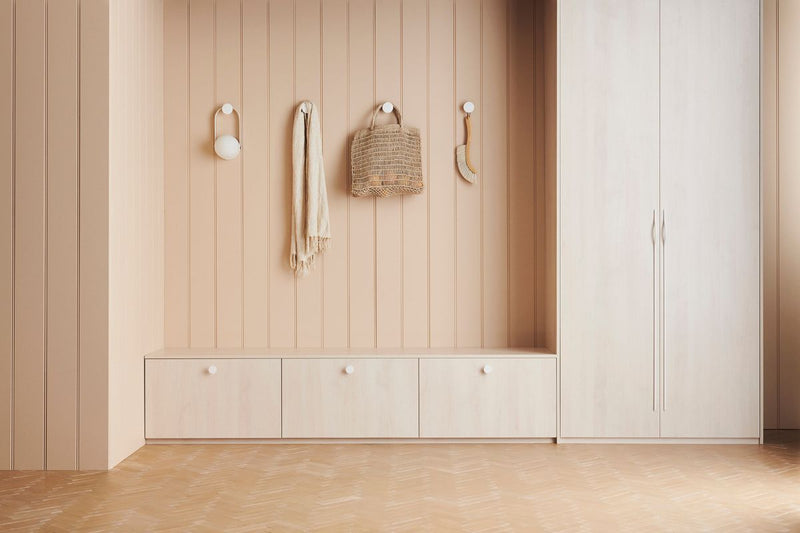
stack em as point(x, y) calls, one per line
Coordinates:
point(460, 265)
point(136, 213)
point(73, 281)
point(781, 191)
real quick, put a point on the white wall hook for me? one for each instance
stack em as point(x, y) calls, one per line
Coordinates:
point(487, 369)
point(349, 369)
point(212, 370)
point(387, 107)
point(468, 107)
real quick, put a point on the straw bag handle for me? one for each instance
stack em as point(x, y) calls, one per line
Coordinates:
point(396, 114)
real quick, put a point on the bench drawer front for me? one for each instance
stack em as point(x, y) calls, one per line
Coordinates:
point(213, 398)
point(488, 398)
point(350, 398)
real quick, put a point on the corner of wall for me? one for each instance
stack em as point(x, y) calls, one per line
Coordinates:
point(136, 222)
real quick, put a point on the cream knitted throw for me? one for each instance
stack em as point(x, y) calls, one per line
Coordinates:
point(311, 229)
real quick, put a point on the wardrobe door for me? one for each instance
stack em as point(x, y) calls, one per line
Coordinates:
point(710, 198)
point(608, 202)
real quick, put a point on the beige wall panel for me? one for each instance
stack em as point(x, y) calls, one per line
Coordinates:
point(469, 215)
point(443, 176)
point(282, 317)
point(6, 230)
point(362, 210)
point(389, 211)
point(202, 104)
point(494, 175)
point(308, 75)
point(788, 218)
point(539, 181)
point(94, 169)
point(335, 135)
point(229, 178)
point(412, 271)
point(548, 316)
point(521, 171)
point(176, 172)
point(415, 208)
point(136, 224)
point(255, 168)
point(62, 235)
point(30, 237)
point(769, 208)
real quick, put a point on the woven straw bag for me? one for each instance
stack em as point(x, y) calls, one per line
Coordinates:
point(386, 160)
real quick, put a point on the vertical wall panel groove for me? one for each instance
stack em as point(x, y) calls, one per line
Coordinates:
point(228, 178)
point(62, 235)
point(442, 176)
point(282, 306)
point(521, 168)
point(94, 235)
point(335, 150)
point(29, 370)
point(495, 172)
point(308, 87)
point(388, 212)
point(362, 210)
point(468, 222)
point(255, 86)
point(176, 184)
point(202, 202)
point(788, 229)
point(7, 131)
point(415, 208)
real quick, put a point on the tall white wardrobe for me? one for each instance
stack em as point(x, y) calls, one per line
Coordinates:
point(659, 219)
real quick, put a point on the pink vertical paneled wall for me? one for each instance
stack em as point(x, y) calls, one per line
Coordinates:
point(71, 299)
point(459, 265)
point(780, 131)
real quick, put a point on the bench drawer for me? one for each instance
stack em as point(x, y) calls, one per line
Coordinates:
point(490, 398)
point(350, 398)
point(212, 398)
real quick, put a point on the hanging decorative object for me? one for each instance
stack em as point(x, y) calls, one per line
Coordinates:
point(228, 146)
point(465, 168)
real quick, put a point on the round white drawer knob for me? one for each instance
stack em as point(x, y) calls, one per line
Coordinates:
point(487, 369)
point(349, 369)
point(212, 370)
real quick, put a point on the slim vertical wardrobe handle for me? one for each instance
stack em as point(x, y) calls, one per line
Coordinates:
point(663, 313)
point(655, 299)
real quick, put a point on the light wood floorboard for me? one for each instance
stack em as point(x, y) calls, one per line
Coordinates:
point(444, 487)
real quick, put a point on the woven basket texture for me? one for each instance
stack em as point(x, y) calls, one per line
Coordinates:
point(386, 160)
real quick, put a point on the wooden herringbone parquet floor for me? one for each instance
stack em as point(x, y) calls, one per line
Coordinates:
point(446, 487)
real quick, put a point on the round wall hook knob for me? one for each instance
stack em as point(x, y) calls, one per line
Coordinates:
point(212, 370)
point(468, 107)
point(349, 369)
point(387, 107)
point(487, 369)
point(227, 108)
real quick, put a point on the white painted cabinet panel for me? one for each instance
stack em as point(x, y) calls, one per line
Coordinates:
point(212, 398)
point(710, 198)
point(608, 200)
point(350, 398)
point(487, 398)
